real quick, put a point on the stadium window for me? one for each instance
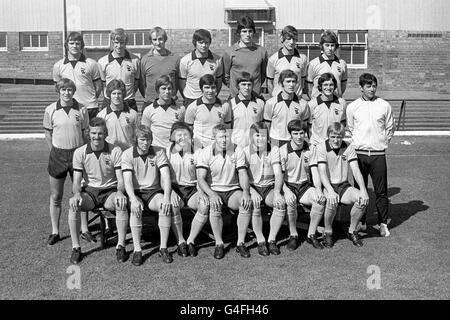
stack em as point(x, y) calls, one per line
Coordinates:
point(308, 43)
point(3, 41)
point(34, 41)
point(138, 39)
point(258, 37)
point(96, 39)
point(353, 48)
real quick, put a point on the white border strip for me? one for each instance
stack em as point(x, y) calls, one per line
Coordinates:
point(22, 136)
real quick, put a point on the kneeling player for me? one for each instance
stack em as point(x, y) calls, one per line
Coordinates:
point(296, 159)
point(184, 187)
point(229, 186)
point(99, 163)
point(147, 182)
point(266, 181)
point(334, 157)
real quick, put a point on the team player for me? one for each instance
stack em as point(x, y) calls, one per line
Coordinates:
point(287, 57)
point(183, 162)
point(206, 112)
point(146, 175)
point(196, 64)
point(299, 167)
point(334, 157)
point(246, 109)
point(266, 182)
point(82, 71)
point(121, 121)
point(157, 62)
point(64, 122)
point(245, 55)
point(229, 186)
point(98, 162)
point(371, 124)
point(284, 107)
point(325, 109)
point(162, 113)
point(122, 65)
point(328, 61)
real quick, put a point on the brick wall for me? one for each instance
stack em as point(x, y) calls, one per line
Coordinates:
point(399, 62)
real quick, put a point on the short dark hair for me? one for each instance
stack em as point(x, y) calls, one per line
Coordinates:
point(74, 36)
point(65, 83)
point(201, 35)
point(207, 79)
point(219, 127)
point(157, 31)
point(179, 125)
point(143, 131)
point(287, 74)
point(336, 127)
point(258, 127)
point(245, 22)
point(244, 77)
point(289, 31)
point(296, 125)
point(325, 77)
point(367, 78)
point(328, 36)
point(98, 122)
point(161, 81)
point(116, 84)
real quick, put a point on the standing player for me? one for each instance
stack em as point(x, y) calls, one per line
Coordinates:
point(334, 157)
point(266, 181)
point(297, 164)
point(182, 162)
point(325, 109)
point(284, 107)
point(162, 113)
point(121, 121)
point(99, 164)
point(82, 71)
point(371, 124)
point(246, 109)
point(64, 122)
point(245, 55)
point(327, 62)
point(287, 57)
point(157, 62)
point(146, 175)
point(206, 112)
point(120, 64)
point(229, 186)
point(196, 64)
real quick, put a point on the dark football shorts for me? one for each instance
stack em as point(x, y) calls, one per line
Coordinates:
point(99, 196)
point(263, 191)
point(147, 195)
point(225, 195)
point(60, 163)
point(185, 192)
point(298, 189)
point(340, 188)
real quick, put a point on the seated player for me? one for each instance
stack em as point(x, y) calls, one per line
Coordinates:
point(147, 183)
point(206, 112)
point(162, 113)
point(296, 159)
point(284, 107)
point(334, 157)
point(266, 182)
point(246, 109)
point(325, 109)
point(64, 122)
point(182, 162)
point(229, 186)
point(121, 120)
point(99, 164)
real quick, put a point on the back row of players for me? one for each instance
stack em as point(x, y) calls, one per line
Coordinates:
point(280, 176)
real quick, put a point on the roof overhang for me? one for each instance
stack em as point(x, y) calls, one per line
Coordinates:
point(248, 5)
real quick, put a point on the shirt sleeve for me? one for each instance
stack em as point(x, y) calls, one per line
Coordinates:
point(321, 153)
point(228, 112)
point(226, 59)
point(390, 123)
point(275, 156)
point(146, 116)
point(95, 71)
point(56, 72)
point(351, 153)
point(102, 69)
point(240, 159)
point(304, 67)
point(182, 113)
point(219, 70)
point(182, 69)
point(306, 112)
point(78, 161)
point(48, 125)
point(203, 158)
point(311, 74)
point(268, 110)
point(344, 71)
point(116, 157)
point(349, 118)
point(85, 115)
point(265, 58)
point(161, 159)
point(127, 160)
point(270, 73)
point(189, 116)
point(137, 63)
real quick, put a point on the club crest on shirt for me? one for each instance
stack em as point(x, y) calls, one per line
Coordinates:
point(129, 68)
point(339, 69)
point(296, 110)
point(177, 116)
point(127, 119)
point(77, 118)
point(298, 65)
point(211, 66)
point(192, 162)
point(152, 162)
point(83, 70)
point(336, 111)
point(107, 160)
point(255, 111)
point(344, 157)
point(220, 115)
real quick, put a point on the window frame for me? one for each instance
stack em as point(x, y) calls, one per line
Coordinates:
point(5, 48)
point(30, 34)
point(101, 33)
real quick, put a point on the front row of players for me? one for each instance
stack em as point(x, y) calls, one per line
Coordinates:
point(242, 179)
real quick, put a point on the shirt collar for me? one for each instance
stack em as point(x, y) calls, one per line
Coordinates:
point(238, 99)
point(82, 59)
point(125, 109)
point(213, 146)
point(181, 153)
point(208, 105)
point(236, 46)
point(209, 57)
point(151, 152)
point(321, 59)
point(75, 105)
point(253, 149)
point(328, 147)
point(281, 54)
point(299, 151)
point(374, 98)
point(280, 98)
point(328, 102)
point(126, 56)
point(165, 107)
point(167, 53)
point(89, 148)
